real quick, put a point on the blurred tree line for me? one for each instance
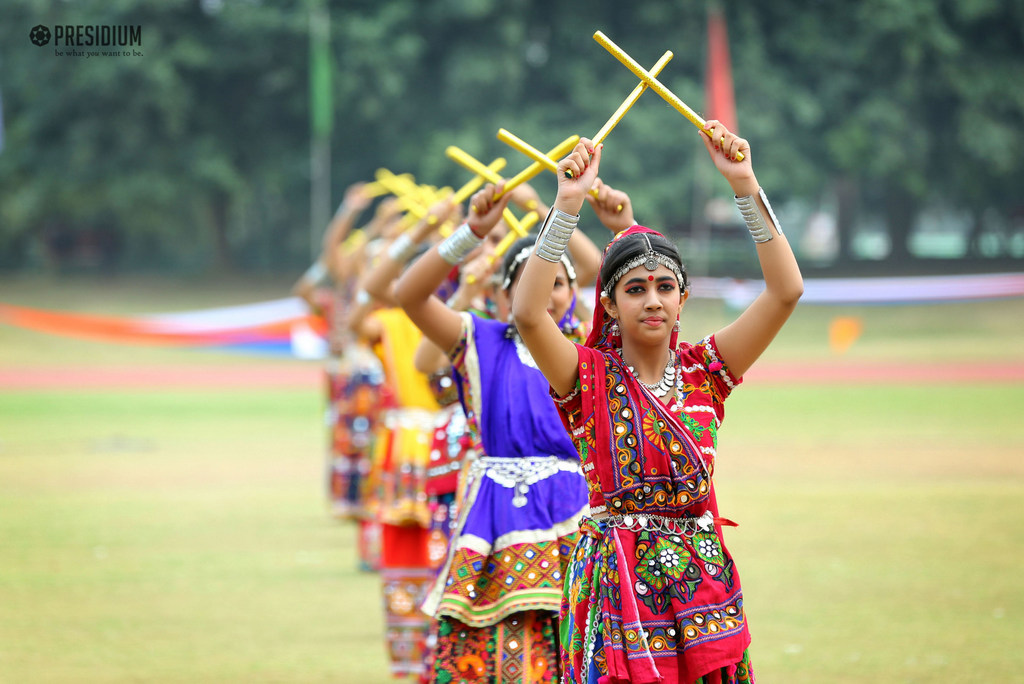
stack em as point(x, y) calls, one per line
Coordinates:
point(195, 154)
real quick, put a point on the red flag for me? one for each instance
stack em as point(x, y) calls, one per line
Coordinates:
point(719, 102)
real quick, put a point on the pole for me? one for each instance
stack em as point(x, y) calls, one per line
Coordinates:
point(321, 117)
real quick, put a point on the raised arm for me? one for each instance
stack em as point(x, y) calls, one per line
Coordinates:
point(305, 286)
point(353, 204)
point(379, 281)
point(613, 208)
point(586, 256)
point(351, 257)
point(414, 291)
point(745, 339)
point(556, 356)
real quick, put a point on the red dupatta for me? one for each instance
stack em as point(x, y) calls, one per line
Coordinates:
point(648, 427)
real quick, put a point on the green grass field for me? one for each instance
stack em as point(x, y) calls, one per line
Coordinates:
point(180, 536)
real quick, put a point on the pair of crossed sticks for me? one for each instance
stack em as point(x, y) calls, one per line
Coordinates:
point(546, 161)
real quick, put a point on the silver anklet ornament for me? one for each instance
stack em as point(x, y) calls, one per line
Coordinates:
point(554, 235)
point(759, 230)
point(456, 246)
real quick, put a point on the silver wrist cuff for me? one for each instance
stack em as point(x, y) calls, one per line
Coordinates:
point(315, 273)
point(759, 229)
point(456, 246)
point(402, 249)
point(554, 235)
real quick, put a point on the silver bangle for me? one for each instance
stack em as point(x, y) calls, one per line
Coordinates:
point(402, 249)
point(759, 229)
point(554, 235)
point(315, 273)
point(456, 246)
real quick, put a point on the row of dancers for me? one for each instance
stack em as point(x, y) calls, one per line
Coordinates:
point(532, 473)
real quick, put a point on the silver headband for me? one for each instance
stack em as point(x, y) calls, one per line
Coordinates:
point(524, 254)
point(649, 260)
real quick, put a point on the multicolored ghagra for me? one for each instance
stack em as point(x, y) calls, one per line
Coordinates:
point(651, 594)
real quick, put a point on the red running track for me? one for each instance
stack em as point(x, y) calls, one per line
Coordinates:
point(300, 375)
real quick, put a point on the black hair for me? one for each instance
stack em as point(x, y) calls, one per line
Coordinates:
point(633, 245)
point(510, 267)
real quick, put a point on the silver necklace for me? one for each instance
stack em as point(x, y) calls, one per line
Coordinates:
point(665, 385)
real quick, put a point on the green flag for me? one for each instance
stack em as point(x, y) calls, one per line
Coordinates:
point(321, 102)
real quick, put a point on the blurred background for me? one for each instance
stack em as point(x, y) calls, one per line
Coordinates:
point(889, 135)
point(162, 509)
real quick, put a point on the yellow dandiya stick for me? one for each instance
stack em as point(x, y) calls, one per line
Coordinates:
point(414, 199)
point(628, 103)
point(563, 148)
point(520, 227)
point(469, 162)
point(655, 84)
point(375, 189)
point(412, 205)
point(404, 187)
point(396, 185)
point(431, 196)
point(528, 222)
point(526, 148)
point(532, 152)
point(463, 193)
point(517, 229)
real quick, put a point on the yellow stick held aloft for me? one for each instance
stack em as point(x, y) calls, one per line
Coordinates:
point(469, 162)
point(463, 193)
point(532, 152)
point(615, 118)
point(415, 199)
point(654, 84)
point(563, 148)
point(529, 150)
point(527, 223)
point(375, 189)
point(517, 230)
point(396, 185)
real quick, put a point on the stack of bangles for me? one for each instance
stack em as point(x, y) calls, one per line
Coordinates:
point(461, 242)
point(402, 248)
point(554, 235)
point(758, 227)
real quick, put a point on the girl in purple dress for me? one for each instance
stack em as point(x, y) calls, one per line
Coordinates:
point(498, 594)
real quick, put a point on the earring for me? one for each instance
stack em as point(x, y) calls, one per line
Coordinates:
point(614, 335)
point(676, 328)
